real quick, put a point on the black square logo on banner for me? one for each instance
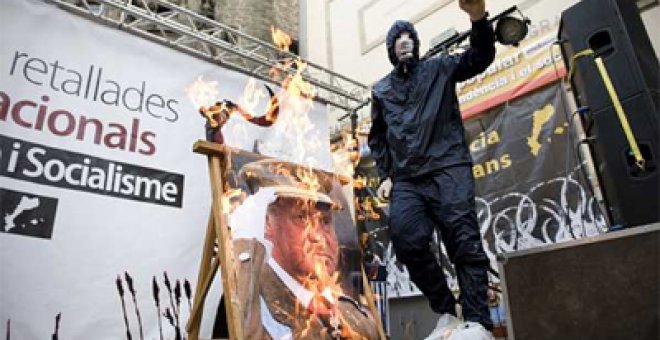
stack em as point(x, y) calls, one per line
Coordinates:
point(27, 214)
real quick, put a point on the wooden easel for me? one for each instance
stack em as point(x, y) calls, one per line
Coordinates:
point(218, 231)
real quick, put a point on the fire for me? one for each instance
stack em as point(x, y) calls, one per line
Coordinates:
point(365, 209)
point(342, 163)
point(324, 281)
point(297, 87)
point(231, 199)
point(280, 38)
point(252, 95)
point(293, 84)
point(294, 125)
point(360, 182)
point(215, 115)
point(202, 93)
point(369, 209)
point(309, 178)
point(346, 155)
point(297, 99)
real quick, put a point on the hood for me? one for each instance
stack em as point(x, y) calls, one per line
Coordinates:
point(397, 28)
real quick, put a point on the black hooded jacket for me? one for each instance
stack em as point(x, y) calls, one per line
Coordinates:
point(416, 123)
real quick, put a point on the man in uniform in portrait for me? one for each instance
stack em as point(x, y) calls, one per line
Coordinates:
point(287, 254)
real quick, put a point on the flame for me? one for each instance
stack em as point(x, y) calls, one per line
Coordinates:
point(280, 68)
point(252, 95)
point(360, 182)
point(297, 99)
point(308, 178)
point(359, 211)
point(280, 38)
point(298, 87)
point(294, 125)
point(231, 199)
point(369, 209)
point(364, 209)
point(343, 164)
point(202, 93)
point(217, 115)
point(346, 155)
point(324, 281)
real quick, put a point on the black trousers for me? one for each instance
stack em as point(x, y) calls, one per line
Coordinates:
point(443, 200)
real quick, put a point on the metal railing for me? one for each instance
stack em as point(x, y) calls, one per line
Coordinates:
point(210, 40)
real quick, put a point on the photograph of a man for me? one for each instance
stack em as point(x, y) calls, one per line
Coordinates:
point(287, 257)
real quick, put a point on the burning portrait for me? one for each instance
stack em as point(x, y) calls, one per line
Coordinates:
point(296, 252)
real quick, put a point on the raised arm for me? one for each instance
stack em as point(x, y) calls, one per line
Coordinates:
point(482, 42)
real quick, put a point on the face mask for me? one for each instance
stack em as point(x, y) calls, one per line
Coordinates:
point(403, 48)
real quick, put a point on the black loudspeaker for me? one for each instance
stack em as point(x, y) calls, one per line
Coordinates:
point(613, 29)
point(605, 287)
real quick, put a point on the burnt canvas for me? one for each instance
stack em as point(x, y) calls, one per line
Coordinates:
point(296, 252)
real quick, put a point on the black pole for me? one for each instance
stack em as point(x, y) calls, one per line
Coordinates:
point(354, 110)
point(56, 333)
point(354, 118)
point(443, 46)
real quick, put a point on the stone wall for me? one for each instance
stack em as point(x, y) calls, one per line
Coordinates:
point(254, 17)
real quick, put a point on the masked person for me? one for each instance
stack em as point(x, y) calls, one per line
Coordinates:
point(286, 254)
point(417, 139)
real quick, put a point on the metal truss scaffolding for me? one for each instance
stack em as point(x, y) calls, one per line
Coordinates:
point(188, 31)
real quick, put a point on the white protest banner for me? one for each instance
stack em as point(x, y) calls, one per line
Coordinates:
point(101, 194)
